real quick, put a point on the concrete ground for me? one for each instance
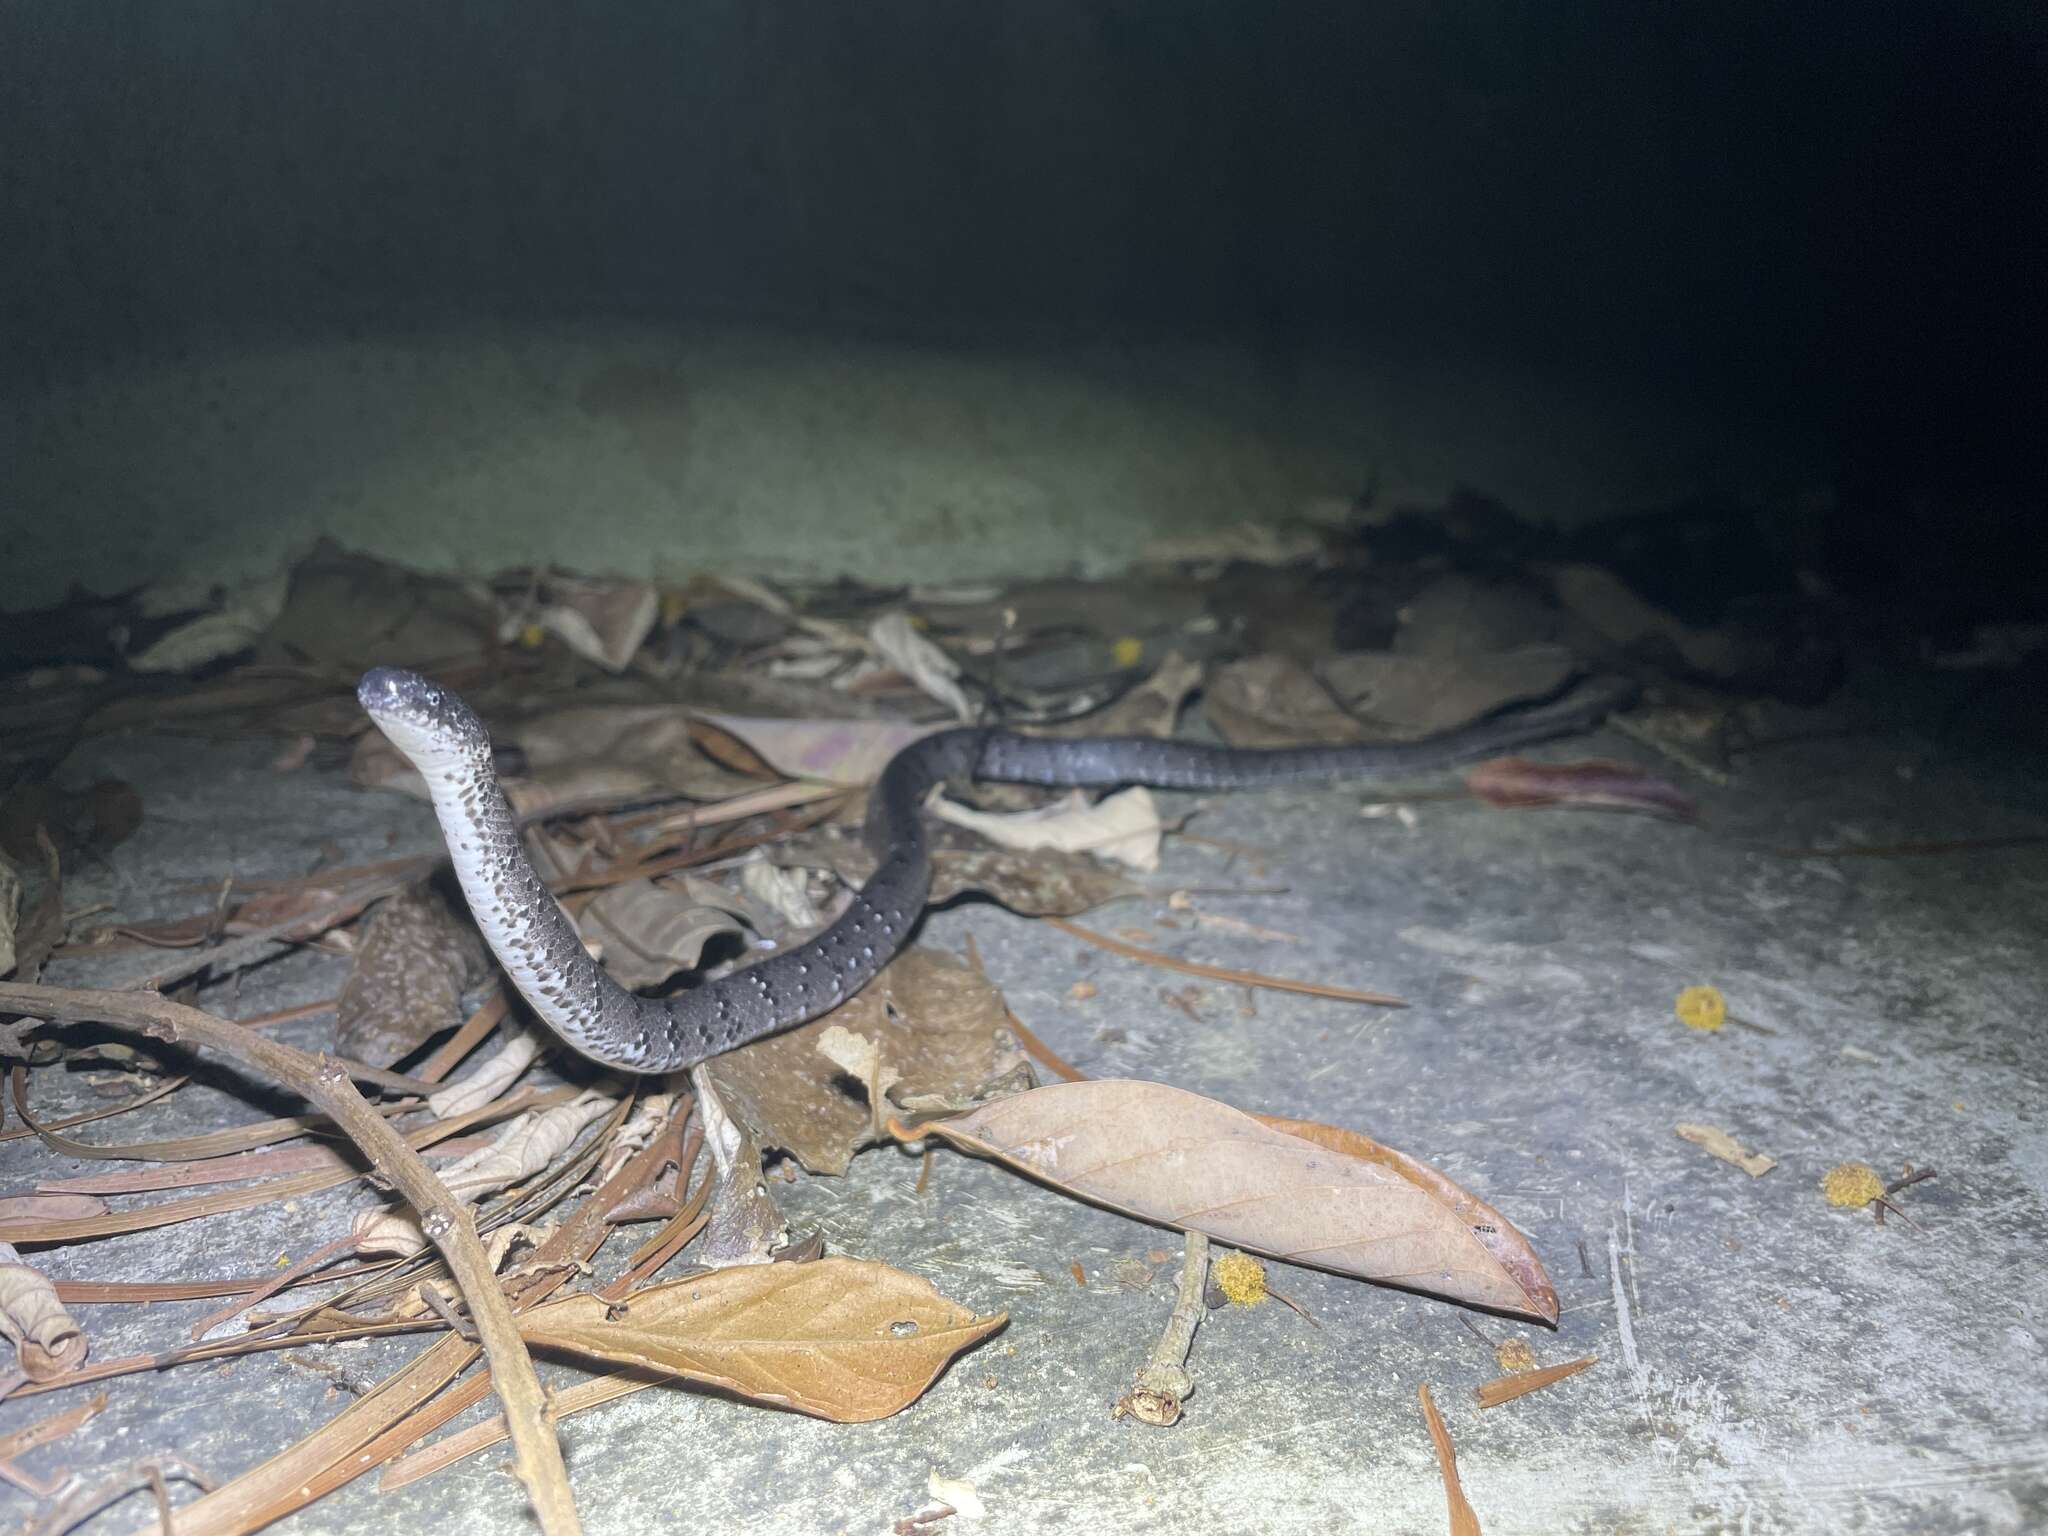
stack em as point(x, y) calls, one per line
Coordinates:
point(1766, 1362)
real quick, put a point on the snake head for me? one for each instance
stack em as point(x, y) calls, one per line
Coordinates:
point(429, 724)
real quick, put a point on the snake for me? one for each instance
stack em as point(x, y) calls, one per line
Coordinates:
point(571, 992)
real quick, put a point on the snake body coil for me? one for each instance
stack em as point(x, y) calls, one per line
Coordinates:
point(539, 949)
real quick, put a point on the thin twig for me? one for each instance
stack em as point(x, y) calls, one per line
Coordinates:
point(446, 1222)
point(1223, 973)
point(1044, 1054)
point(1164, 1384)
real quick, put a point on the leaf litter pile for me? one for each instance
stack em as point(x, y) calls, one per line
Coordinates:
point(689, 764)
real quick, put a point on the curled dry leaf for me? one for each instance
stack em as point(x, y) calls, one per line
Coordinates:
point(526, 1145)
point(849, 1340)
point(1514, 783)
point(922, 660)
point(602, 621)
point(46, 1340)
point(492, 1076)
point(742, 1225)
point(657, 742)
point(1166, 1155)
point(416, 957)
point(941, 1034)
point(651, 929)
point(1123, 827)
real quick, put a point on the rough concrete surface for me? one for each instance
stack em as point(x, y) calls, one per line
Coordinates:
point(1767, 1363)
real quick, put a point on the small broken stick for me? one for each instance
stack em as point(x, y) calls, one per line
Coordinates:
point(1164, 1384)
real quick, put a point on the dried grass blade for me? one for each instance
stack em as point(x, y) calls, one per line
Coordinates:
point(1223, 973)
point(1463, 1521)
point(492, 1431)
point(1505, 1389)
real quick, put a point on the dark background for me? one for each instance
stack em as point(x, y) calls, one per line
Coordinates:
point(1833, 211)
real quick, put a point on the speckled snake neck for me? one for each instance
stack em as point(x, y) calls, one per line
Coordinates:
point(540, 951)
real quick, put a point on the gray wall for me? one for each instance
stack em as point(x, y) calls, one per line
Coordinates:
point(1827, 213)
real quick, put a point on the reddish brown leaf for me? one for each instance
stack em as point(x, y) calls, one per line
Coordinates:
point(1599, 783)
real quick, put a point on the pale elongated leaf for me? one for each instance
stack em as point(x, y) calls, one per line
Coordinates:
point(1170, 1156)
point(845, 1339)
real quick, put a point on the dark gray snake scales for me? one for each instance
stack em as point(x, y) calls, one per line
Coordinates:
point(539, 949)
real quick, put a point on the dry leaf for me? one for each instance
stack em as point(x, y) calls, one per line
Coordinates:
point(742, 1224)
point(524, 1146)
point(1150, 709)
point(1727, 1148)
point(655, 743)
point(1123, 827)
point(494, 1074)
point(833, 751)
point(602, 621)
point(242, 617)
point(1499, 1235)
point(1165, 1155)
point(651, 929)
point(1271, 701)
point(1041, 883)
point(417, 955)
point(47, 1342)
point(921, 660)
point(849, 1340)
point(937, 1022)
point(1513, 783)
point(1420, 695)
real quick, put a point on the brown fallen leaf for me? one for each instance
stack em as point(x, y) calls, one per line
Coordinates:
point(1166, 1155)
point(941, 1029)
point(1504, 1389)
point(1499, 1235)
point(1516, 783)
point(1406, 696)
point(1152, 708)
point(849, 1340)
point(1273, 701)
point(415, 958)
point(652, 929)
point(834, 751)
point(1727, 1148)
